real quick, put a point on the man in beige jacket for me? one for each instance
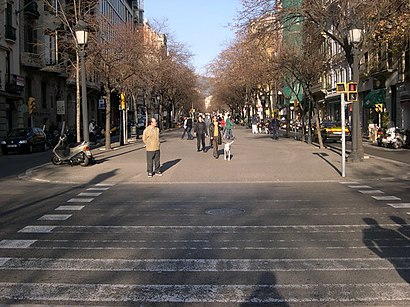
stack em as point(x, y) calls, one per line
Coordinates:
point(150, 137)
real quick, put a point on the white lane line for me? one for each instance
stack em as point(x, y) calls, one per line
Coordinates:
point(400, 205)
point(202, 229)
point(260, 293)
point(225, 248)
point(386, 198)
point(89, 194)
point(98, 189)
point(359, 186)
point(371, 192)
point(16, 243)
point(70, 208)
point(37, 229)
point(349, 182)
point(205, 265)
point(3, 261)
point(80, 200)
point(105, 184)
point(55, 217)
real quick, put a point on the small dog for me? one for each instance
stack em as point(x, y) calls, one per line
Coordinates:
point(227, 151)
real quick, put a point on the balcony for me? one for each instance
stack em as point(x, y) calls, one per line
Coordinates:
point(31, 60)
point(15, 84)
point(10, 33)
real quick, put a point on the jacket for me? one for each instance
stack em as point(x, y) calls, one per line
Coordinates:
point(211, 132)
point(150, 137)
point(200, 128)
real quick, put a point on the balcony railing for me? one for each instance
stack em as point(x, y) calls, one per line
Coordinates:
point(10, 33)
point(15, 84)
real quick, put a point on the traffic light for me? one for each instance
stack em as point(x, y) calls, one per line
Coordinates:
point(123, 103)
point(31, 105)
point(340, 87)
point(352, 97)
point(378, 107)
point(352, 93)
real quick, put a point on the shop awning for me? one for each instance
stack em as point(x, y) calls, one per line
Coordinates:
point(375, 97)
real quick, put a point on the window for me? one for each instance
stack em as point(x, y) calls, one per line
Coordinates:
point(50, 51)
point(30, 38)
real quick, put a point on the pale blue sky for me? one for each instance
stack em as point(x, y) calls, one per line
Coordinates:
point(202, 25)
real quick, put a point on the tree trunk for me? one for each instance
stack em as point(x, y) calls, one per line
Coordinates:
point(319, 135)
point(108, 120)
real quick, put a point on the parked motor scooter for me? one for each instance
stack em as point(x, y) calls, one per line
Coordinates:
point(78, 153)
point(394, 138)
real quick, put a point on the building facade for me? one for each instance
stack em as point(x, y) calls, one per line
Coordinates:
point(33, 64)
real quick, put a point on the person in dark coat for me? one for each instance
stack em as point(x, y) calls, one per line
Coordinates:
point(200, 130)
point(215, 133)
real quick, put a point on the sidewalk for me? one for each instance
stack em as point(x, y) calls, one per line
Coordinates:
point(255, 158)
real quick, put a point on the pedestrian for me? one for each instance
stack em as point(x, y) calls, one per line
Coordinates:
point(223, 125)
point(150, 137)
point(201, 132)
point(274, 126)
point(215, 134)
point(92, 131)
point(229, 125)
point(185, 127)
point(189, 128)
point(254, 124)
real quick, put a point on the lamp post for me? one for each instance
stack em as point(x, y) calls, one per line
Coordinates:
point(81, 34)
point(357, 153)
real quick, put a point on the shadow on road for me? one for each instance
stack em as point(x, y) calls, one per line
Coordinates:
point(167, 165)
point(323, 156)
point(389, 244)
point(265, 293)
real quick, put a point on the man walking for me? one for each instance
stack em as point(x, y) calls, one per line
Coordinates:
point(275, 128)
point(150, 137)
point(200, 130)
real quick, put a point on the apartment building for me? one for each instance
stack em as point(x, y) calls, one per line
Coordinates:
point(384, 79)
point(33, 64)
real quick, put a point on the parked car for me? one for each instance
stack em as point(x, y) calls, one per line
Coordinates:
point(24, 140)
point(332, 131)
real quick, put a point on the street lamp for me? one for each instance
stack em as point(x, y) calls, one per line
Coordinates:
point(357, 153)
point(81, 34)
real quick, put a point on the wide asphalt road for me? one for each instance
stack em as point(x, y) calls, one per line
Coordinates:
point(275, 225)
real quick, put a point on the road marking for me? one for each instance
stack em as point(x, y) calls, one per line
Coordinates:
point(70, 208)
point(205, 265)
point(55, 217)
point(400, 205)
point(37, 229)
point(386, 198)
point(359, 186)
point(371, 192)
point(98, 189)
point(105, 184)
point(89, 194)
point(80, 200)
point(16, 243)
point(3, 261)
point(349, 182)
point(200, 229)
point(267, 293)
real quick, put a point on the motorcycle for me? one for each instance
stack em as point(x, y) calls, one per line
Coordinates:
point(77, 153)
point(393, 137)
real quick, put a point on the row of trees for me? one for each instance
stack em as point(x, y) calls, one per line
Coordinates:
point(281, 43)
point(129, 58)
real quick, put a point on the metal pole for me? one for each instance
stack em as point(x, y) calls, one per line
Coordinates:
point(84, 105)
point(343, 120)
point(357, 153)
